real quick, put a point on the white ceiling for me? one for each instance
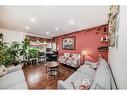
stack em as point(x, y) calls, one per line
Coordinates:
point(52, 21)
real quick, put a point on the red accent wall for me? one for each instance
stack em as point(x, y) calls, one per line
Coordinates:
point(88, 39)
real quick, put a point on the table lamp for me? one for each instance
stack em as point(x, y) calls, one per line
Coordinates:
point(83, 53)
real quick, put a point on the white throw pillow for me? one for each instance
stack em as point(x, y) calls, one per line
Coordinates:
point(91, 64)
point(3, 70)
point(82, 83)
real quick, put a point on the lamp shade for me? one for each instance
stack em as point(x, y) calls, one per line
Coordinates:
point(83, 53)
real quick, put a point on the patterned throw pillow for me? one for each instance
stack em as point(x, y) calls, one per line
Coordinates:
point(82, 84)
point(3, 70)
point(67, 58)
point(73, 58)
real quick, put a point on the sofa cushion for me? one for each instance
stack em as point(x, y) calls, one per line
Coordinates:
point(75, 76)
point(21, 85)
point(11, 79)
point(86, 70)
point(67, 54)
point(76, 56)
point(14, 68)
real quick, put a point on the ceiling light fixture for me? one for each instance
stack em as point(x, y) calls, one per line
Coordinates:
point(32, 19)
point(27, 27)
point(47, 33)
point(56, 28)
point(71, 22)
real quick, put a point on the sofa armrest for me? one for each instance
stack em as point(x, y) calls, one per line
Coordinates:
point(61, 85)
point(14, 68)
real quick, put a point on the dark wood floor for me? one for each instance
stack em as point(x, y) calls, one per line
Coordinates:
point(37, 78)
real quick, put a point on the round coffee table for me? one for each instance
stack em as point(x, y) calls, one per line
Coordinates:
point(52, 68)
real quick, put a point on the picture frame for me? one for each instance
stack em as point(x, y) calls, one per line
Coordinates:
point(68, 43)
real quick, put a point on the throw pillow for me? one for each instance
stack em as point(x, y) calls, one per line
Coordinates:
point(3, 70)
point(92, 65)
point(67, 58)
point(82, 83)
point(73, 58)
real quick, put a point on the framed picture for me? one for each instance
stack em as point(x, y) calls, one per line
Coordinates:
point(68, 43)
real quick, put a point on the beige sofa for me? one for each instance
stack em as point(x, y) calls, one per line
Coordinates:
point(100, 77)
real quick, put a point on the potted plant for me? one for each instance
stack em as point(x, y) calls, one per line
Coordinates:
point(14, 52)
point(23, 50)
point(3, 54)
point(9, 54)
point(33, 54)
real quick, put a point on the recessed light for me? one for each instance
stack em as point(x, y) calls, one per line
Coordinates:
point(71, 22)
point(56, 28)
point(47, 33)
point(27, 27)
point(32, 19)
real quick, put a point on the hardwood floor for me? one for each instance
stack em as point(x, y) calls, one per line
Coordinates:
point(37, 78)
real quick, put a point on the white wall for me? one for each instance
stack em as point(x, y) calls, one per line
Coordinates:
point(11, 35)
point(118, 55)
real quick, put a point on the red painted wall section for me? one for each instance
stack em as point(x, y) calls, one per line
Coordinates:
point(89, 40)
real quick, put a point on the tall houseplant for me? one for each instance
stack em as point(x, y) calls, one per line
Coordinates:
point(4, 57)
point(8, 54)
point(23, 51)
point(13, 51)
